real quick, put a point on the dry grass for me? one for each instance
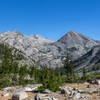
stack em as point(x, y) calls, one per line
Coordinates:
point(75, 85)
point(5, 98)
point(58, 95)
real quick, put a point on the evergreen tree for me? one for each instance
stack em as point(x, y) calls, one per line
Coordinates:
point(49, 81)
point(84, 74)
point(32, 71)
point(69, 69)
point(60, 79)
point(23, 71)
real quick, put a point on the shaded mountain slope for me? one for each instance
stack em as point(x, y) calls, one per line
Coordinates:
point(90, 60)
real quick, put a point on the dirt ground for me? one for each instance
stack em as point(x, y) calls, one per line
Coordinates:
point(95, 96)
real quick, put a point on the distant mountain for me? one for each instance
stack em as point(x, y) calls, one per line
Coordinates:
point(75, 39)
point(47, 52)
point(39, 39)
point(75, 44)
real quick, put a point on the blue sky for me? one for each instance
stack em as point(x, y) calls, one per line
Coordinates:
point(51, 18)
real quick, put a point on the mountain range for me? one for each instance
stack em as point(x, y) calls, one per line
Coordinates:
point(83, 50)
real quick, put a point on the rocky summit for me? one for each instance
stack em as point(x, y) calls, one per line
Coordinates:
point(50, 53)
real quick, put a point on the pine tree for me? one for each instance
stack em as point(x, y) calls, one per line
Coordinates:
point(84, 74)
point(49, 81)
point(31, 72)
point(59, 80)
point(69, 69)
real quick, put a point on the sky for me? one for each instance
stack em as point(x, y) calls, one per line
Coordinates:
point(51, 18)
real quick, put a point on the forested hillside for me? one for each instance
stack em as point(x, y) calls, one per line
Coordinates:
point(13, 66)
point(14, 72)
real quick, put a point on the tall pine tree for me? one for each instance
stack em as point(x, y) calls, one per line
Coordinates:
point(69, 69)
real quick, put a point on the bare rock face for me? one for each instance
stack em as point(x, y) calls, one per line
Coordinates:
point(74, 39)
point(40, 40)
point(47, 52)
point(90, 60)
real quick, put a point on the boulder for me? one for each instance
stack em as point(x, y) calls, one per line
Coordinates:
point(47, 91)
point(82, 96)
point(18, 89)
point(8, 89)
point(86, 83)
point(97, 81)
point(19, 96)
point(77, 96)
point(66, 90)
point(15, 97)
point(91, 81)
point(5, 94)
point(84, 90)
point(30, 88)
point(54, 99)
point(44, 97)
point(73, 93)
point(85, 96)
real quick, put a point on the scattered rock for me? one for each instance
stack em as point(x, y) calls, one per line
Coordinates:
point(94, 81)
point(19, 89)
point(86, 83)
point(54, 99)
point(19, 96)
point(97, 82)
point(47, 91)
point(83, 90)
point(73, 93)
point(5, 94)
point(8, 89)
point(66, 90)
point(88, 86)
point(77, 96)
point(30, 88)
point(81, 96)
point(44, 97)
